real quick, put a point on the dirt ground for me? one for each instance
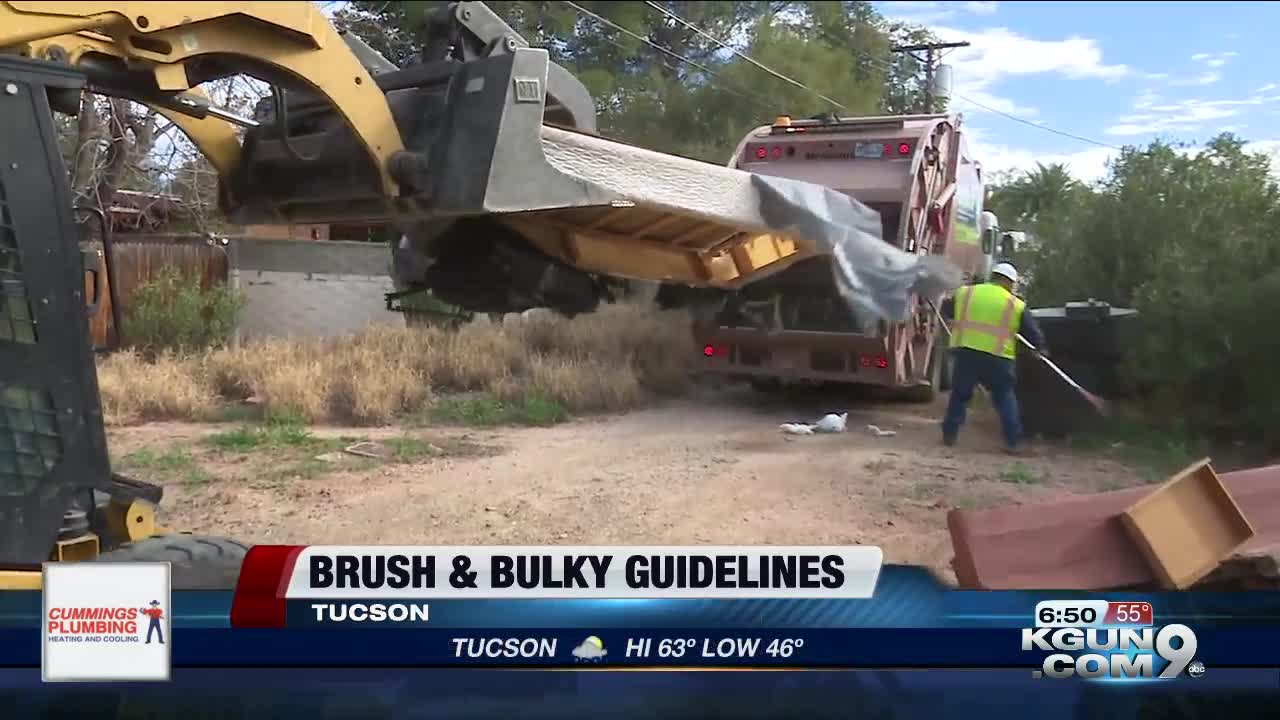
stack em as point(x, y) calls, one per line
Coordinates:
point(712, 468)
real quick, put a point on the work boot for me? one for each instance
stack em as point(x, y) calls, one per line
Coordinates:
point(949, 440)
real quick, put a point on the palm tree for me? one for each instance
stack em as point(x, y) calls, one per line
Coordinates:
point(1035, 193)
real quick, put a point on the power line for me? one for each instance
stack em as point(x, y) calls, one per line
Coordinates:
point(1046, 128)
point(879, 61)
point(672, 53)
point(670, 66)
point(889, 67)
point(739, 53)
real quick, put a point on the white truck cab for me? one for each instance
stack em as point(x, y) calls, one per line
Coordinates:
point(997, 246)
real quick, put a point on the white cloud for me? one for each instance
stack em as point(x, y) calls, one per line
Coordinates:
point(1206, 78)
point(1182, 115)
point(923, 13)
point(1087, 165)
point(1214, 60)
point(1267, 88)
point(998, 53)
point(1146, 100)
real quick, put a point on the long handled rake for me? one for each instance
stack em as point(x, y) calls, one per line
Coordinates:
point(1098, 403)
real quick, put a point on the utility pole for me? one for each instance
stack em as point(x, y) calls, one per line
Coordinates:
point(930, 64)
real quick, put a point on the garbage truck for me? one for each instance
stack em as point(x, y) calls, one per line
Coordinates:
point(919, 174)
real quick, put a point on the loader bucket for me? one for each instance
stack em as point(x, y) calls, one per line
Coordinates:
point(484, 173)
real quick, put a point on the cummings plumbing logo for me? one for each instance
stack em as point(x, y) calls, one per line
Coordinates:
point(106, 621)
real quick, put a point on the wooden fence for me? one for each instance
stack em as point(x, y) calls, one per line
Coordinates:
point(139, 258)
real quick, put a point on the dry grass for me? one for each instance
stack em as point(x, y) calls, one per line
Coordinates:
point(169, 387)
point(604, 361)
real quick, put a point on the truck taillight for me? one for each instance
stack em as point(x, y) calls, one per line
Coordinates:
point(879, 361)
point(904, 148)
point(762, 153)
point(714, 350)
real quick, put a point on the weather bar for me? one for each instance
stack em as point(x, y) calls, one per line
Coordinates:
point(659, 649)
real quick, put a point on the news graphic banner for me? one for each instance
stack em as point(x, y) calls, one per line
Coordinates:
point(634, 608)
point(274, 579)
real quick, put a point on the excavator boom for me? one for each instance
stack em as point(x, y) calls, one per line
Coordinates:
point(484, 153)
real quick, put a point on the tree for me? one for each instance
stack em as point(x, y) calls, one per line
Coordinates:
point(1192, 240)
point(1034, 194)
point(662, 84)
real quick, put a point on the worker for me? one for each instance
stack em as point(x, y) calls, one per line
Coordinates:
point(988, 319)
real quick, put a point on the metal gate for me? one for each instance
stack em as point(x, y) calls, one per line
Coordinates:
point(53, 447)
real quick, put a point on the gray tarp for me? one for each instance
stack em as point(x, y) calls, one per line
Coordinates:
point(874, 277)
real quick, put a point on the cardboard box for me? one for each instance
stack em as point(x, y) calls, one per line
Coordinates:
point(1188, 526)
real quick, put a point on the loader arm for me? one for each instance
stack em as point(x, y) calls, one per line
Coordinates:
point(152, 52)
point(483, 154)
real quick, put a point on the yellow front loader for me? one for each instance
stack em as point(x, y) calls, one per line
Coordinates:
point(484, 155)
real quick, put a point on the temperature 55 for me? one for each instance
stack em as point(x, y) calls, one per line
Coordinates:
point(1071, 613)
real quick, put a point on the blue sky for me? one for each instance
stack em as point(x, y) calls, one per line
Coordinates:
point(1120, 73)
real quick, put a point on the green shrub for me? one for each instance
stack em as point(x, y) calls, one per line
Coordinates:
point(1191, 238)
point(172, 312)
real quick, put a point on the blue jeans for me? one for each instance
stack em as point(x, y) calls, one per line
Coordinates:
point(969, 368)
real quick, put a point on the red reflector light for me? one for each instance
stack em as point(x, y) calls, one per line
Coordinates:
point(709, 351)
point(777, 152)
point(715, 350)
point(904, 149)
point(882, 362)
point(761, 153)
point(888, 149)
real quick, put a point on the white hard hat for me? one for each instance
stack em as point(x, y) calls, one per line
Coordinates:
point(1006, 270)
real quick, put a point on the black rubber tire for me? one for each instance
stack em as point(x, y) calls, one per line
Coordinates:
point(198, 562)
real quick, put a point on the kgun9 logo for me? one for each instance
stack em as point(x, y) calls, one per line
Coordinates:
point(1115, 652)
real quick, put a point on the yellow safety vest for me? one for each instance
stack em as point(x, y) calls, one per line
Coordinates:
point(987, 320)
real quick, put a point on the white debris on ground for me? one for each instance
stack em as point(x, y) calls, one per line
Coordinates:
point(876, 431)
point(830, 423)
